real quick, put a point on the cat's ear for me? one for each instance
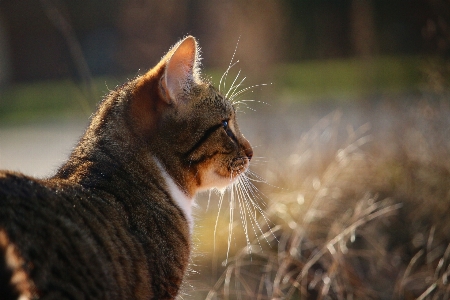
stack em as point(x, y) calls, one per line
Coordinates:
point(181, 70)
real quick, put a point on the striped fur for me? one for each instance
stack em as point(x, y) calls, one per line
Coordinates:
point(114, 222)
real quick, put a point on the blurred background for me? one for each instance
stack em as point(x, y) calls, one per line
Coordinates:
point(359, 57)
point(58, 58)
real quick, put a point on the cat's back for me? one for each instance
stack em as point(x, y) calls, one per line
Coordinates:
point(46, 244)
point(59, 241)
point(16, 185)
point(62, 240)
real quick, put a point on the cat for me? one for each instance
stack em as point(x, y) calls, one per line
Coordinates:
point(115, 220)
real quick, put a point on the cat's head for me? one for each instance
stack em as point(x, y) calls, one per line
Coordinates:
point(187, 124)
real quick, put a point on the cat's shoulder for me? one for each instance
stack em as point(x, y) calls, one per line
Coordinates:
point(13, 177)
point(18, 184)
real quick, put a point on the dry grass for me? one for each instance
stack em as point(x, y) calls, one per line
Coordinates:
point(357, 212)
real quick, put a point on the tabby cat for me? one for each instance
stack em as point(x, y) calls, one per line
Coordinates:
point(115, 221)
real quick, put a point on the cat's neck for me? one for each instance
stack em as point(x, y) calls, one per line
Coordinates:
point(99, 165)
point(107, 151)
point(180, 197)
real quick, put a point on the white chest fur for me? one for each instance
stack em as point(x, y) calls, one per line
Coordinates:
point(180, 198)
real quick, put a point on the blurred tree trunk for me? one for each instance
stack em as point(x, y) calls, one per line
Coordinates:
point(436, 34)
point(5, 68)
point(257, 24)
point(148, 29)
point(362, 24)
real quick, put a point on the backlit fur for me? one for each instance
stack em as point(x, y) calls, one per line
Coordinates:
point(114, 222)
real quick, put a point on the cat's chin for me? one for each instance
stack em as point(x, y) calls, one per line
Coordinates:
point(214, 180)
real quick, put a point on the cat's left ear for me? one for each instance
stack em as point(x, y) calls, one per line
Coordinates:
point(181, 70)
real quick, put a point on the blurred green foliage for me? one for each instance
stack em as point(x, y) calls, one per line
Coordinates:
point(349, 79)
point(343, 80)
point(56, 99)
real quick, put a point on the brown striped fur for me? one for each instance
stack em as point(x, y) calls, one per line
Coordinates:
point(110, 224)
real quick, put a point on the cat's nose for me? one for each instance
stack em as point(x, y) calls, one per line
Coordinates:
point(247, 148)
point(249, 152)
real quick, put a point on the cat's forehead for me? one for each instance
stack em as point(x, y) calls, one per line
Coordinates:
point(213, 101)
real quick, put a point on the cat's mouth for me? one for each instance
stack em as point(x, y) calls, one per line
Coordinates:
point(222, 176)
point(236, 167)
point(239, 165)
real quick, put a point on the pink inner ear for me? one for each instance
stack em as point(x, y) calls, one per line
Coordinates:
point(180, 68)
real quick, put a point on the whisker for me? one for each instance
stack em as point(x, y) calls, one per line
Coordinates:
point(243, 212)
point(230, 225)
point(209, 200)
point(246, 105)
point(261, 180)
point(234, 87)
point(259, 158)
point(255, 192)
point(247, 89)
point(253, 100)
point(217, 218)
point(259, 162)
point(224, 76)
point(251, 209)
point(251, 188)
point(239, 111)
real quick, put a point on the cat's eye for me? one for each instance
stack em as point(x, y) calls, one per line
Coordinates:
point(228, 130)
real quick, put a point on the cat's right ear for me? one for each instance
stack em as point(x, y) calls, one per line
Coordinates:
point(181, 71)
